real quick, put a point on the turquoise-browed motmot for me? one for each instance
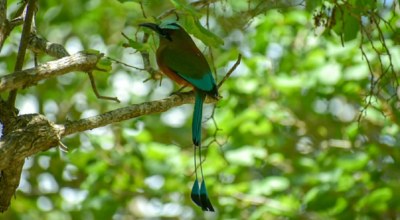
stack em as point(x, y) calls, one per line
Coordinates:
point(179, 58)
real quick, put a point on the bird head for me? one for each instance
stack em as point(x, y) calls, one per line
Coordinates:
point(165, 30)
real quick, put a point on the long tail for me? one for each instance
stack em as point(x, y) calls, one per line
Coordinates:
point(199, 193)
point(197, 116)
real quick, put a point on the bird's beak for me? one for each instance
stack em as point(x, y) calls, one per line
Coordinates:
point(152, 26)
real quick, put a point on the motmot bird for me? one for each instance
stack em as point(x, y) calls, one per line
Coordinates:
point(179, 58)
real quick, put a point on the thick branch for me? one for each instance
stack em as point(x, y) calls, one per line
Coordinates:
point(78, 62)
point(3, 22)
point(3, 12)
point(9, 181)
point(32, 134)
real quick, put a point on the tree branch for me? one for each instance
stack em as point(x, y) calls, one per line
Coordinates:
point(9, 181)
point(26, 30)
point(4, 23)
point(82, 61)
point(34, 133)
point(132, 111)
point(96, 92)
point(228, 74)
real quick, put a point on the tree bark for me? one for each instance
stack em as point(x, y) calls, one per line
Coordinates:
point(82, 61)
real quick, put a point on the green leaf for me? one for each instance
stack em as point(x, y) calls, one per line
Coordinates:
point(377, 201)
point(329, 74)
point(312, 4)
point(193, 26)
point(321, 198)
point(270, 185)
point(92, 51)
point(184, 6)
point(356, 72)
point(137, 45)
point(104, 65)
point(353, 162)
point(123, 1)
point(289, 84)
point(351, 26)
point(248, 86)
point(347, 24)
point(245, 156)
point(371, 4)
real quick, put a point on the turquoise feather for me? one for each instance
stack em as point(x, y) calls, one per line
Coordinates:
point(195, 71)
point(197, 118)
point(205, 201)
point(195, 195)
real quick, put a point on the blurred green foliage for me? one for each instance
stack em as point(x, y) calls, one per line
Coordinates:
point(287, 143)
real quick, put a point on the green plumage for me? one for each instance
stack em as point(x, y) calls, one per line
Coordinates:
point(194, 69)
point(197, 118)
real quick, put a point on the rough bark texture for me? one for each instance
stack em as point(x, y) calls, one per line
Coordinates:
point(4, 24)
point(21, 79)
point(31, 134)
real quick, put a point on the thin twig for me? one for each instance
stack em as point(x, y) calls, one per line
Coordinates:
point(376, 84)
point(142, 9)
point(231, 70)
point(6, 26)
point(26, 30)
point(372, 80)
point(213, 63)
point(124, 64)
point(96, 92)
point(154, 74)
point(343, 24)
point(216, 129)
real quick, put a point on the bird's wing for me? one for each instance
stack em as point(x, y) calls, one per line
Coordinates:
point(189, 65)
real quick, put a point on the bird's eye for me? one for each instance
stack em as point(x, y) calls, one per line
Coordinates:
point(166, 35)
